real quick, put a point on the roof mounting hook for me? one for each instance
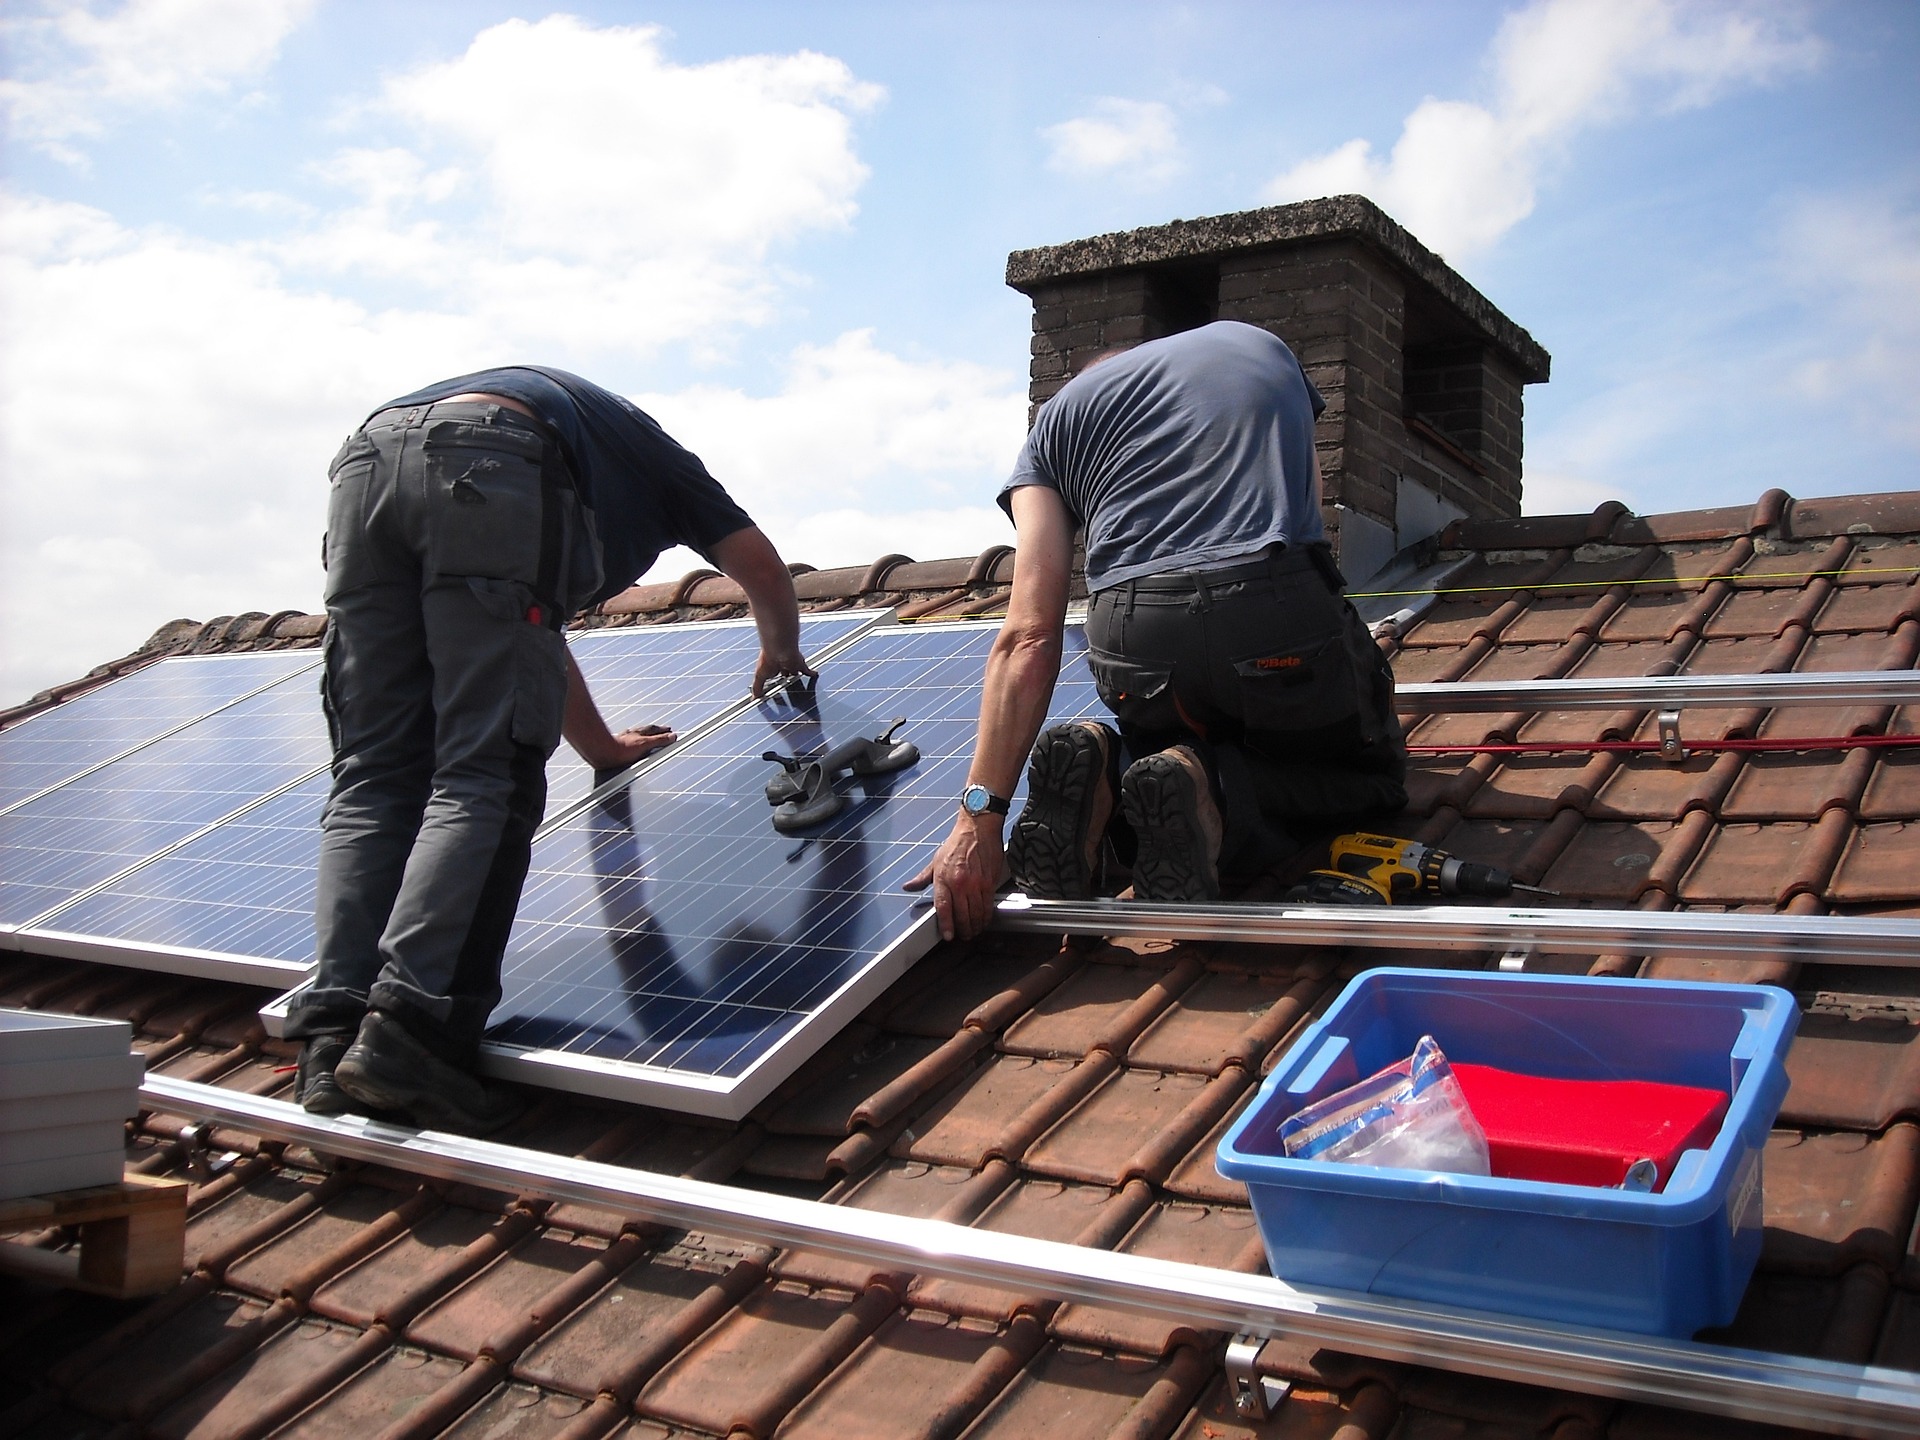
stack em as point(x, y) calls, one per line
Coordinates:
point(1671, 750)
point(1255, 1396)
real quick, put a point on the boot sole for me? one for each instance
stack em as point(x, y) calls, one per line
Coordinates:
point(1157, 799)
point(1047, 852)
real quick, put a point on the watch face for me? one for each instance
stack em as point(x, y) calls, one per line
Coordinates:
point(975, 799)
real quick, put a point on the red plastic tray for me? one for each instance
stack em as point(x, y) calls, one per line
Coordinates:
point(1587, 1132)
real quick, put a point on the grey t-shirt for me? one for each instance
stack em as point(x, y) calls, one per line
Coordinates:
point(1185, 453)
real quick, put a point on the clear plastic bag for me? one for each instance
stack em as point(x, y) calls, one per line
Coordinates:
point(1412, 1115)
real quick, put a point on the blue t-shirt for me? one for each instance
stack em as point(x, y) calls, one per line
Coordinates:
point(646, 491)
point(1184, 453)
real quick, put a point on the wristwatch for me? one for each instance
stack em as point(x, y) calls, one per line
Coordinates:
point(978, 800)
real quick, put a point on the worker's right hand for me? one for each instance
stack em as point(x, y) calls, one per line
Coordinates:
point(774, 664)
point(965, 873)
point(623, 749)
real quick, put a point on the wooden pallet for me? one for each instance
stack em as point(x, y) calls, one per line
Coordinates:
point(133, 1236)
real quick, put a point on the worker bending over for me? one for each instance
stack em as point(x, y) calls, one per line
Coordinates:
point(467, 522)
point(1252, 703)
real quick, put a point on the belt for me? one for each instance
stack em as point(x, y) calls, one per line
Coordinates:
point(1280, 559)
point(506, 411)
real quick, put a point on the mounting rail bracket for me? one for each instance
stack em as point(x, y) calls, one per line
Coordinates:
point(1671, 750)
point(1255, 1396)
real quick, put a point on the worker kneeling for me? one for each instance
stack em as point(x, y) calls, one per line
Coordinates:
point(1252, 703)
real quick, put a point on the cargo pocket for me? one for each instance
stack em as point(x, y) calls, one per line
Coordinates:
point(329, 686)
point(537, 657)
point(483, 497)
point(1139, 694)
point(581, 570)
point(1308, 686)
point(349, 478)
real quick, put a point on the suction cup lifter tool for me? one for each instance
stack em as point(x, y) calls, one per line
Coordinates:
point(803, 795)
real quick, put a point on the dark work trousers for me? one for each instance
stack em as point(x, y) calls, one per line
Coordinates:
point(455, 544)
point(1268, 672)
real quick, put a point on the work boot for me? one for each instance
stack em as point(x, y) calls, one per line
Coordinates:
point(1054, 850)
point(388, 1069)
point(314, 1084)
point(1169, 803)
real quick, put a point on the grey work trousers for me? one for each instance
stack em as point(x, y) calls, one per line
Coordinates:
point(1265, 669)
point(444, 685)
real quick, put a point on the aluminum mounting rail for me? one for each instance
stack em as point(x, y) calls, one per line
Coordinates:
point(1837, 687)
point(1820, 939)
point(1784, 1390)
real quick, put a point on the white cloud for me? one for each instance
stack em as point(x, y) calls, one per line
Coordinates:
point(573, 185)
point(1854, 262)
point(86, 68)
point(1461, 174)
point(1137, 137)
point(170, 402)
point(838, 465)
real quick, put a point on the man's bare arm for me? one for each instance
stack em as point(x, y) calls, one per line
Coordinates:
point(749, 557)
point(1021, 670)
point(586, 730)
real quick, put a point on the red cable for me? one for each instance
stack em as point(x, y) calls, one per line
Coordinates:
point(1647, 747)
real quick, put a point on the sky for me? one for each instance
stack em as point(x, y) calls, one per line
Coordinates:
point(229, 229)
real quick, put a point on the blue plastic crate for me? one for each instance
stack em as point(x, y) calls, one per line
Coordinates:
point(1666, 1264)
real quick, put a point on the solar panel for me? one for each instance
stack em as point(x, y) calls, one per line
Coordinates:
point(238, 900)
point(66, 841)
point(673, 948)
point(60, 743)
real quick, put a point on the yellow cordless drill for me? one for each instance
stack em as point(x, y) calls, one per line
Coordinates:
point(1382, 870)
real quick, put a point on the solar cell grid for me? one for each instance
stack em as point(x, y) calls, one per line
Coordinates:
point(69, 839)
point(669, 935)
point(58, 744)
point(674, 675)
point(245, 888)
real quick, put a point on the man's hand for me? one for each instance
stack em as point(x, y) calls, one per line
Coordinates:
point(965, 873)
point(616, 752)
point(775, 663)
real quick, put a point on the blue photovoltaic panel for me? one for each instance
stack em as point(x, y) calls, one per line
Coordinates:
point(76, 836)
point(58, 744)
point(674, 675)
point(670, 936)
point(245, 888)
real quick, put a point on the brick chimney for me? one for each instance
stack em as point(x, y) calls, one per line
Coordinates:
point(1422, 374)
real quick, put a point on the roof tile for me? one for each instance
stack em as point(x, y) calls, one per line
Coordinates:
point(236, 1400)
point(1309, 1414)
point(1224, 1237)
point(1840, 1199)
point(762, 1358)
point(1071, 1391)
point(1611, 864)
point(141, 1377)
point(1227, 1019)
point(966, 1126)
point(397, 1280)
point(1071, 1020)
point(1879, 864)
point(332, 1236)
point(501, 1295)
point(1827, 1317)
point(1043, 1210)
point(1096, 1139)
point(1893, 792)
point(1857, 1073)
point(919, 1374)
point(518, 1412)
point(652, 1311)
point(368, 1403)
